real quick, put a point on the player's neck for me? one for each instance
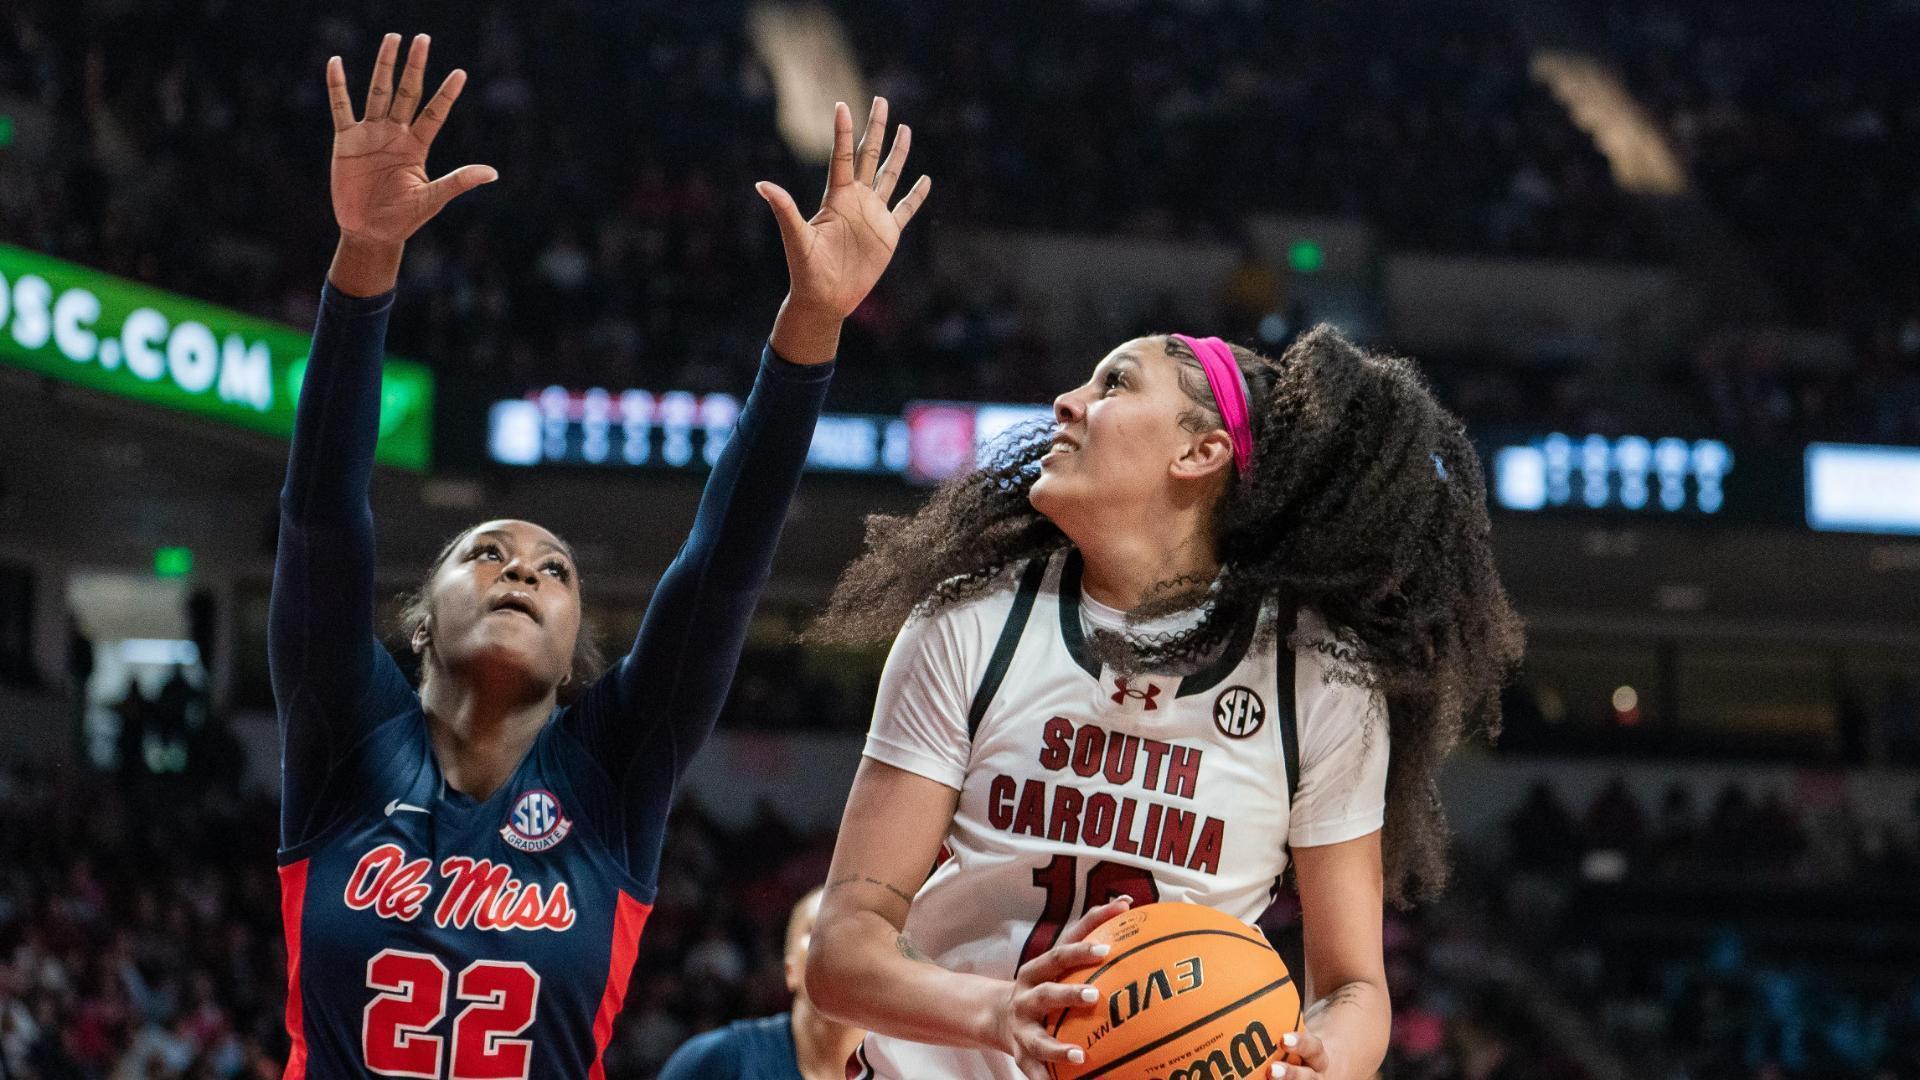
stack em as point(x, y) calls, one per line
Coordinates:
point(479, 737)
point(821, 1045)
point(1122, 565)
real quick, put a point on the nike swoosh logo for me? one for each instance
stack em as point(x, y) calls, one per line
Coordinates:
point(398, 805)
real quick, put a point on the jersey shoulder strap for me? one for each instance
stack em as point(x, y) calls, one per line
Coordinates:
point(1284, 665)
point(1007, 643)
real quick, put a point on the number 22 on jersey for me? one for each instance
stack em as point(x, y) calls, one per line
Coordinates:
point(413, 997)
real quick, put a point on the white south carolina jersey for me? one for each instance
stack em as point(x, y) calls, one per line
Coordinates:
point(1078, 785)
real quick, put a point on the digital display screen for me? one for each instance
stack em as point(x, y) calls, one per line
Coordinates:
point(672, 430)
point(1870, 489)
point(929, 442)
point(1629, 473)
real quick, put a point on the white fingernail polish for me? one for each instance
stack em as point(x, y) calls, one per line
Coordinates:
point(1089, 994)
point(1279, 1071)
point(1102, 950)
point(1076, 1055)
point(1290, 1040)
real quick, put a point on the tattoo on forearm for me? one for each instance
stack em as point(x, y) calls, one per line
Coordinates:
point(907, 950)
point(1341, 995)
point(856, 879)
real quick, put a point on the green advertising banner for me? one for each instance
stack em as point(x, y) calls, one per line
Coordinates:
point(96, 330)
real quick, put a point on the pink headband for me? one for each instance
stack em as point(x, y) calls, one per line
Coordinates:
point(1229, 392)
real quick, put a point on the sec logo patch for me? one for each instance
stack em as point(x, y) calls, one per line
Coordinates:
point(1238, 712)
point(536, 822)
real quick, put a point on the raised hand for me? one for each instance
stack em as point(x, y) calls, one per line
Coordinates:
point(834, 258)
point(381, 192)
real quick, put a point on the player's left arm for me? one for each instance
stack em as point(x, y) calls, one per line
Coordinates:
point(646, 718)
point(1334, 833)
point(1349, 1014)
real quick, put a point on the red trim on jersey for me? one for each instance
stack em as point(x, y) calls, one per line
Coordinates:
point(628, 921)
point(293, 899)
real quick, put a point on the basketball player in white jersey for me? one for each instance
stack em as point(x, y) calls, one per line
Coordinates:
point(1161, 652)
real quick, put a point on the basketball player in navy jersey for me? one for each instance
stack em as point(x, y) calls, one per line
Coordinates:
point(802, 1044)
point(466, 869)
point(1161, 652)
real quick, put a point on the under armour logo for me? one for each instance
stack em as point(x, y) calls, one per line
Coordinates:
point(1122, 691)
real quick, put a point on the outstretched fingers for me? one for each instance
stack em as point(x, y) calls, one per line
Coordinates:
point(380, 91)
point(457, 183)
point(793, 224)
point(896, 161)
point(870, 142)
point(840, 167)
point(337, 100)
point(411, 77)
point(904, 210)
point(435, 114)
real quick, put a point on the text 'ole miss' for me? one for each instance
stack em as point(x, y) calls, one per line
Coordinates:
point(1123, 823)
point(479, 893)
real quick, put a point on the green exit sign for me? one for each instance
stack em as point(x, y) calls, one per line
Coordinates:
point(172, 562)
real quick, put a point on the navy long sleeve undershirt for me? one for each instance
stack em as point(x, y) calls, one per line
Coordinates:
point(644, 719)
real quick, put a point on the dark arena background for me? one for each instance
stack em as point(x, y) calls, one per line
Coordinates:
point(1661, 256)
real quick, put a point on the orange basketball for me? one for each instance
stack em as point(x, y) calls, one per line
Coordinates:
point(1187, 993)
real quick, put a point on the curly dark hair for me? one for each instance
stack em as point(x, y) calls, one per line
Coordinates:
point(1365, 502)
point(588, 661)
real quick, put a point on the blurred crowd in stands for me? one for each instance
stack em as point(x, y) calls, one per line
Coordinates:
point(1767, 838)
point(1768, 936)
point(186, 146)
point(139, 932)
point(1178, 120)
point(1802, 124)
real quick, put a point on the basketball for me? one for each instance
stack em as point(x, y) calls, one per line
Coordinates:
point(1186, 993)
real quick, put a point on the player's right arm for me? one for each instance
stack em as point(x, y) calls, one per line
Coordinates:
point(861, 968)
point(863, 971)
point(331, 677)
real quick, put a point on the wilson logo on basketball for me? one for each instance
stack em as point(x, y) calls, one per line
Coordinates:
point(1240, 1059)
point(1238, 712)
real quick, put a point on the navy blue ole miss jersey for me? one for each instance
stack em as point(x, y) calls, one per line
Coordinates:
point(434, 935)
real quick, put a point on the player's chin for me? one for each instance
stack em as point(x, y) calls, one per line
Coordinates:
point(1051, 492)
point(527, 655)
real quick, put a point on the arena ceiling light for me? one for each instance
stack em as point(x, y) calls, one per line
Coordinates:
point(1642, 160)
point(807, 52)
